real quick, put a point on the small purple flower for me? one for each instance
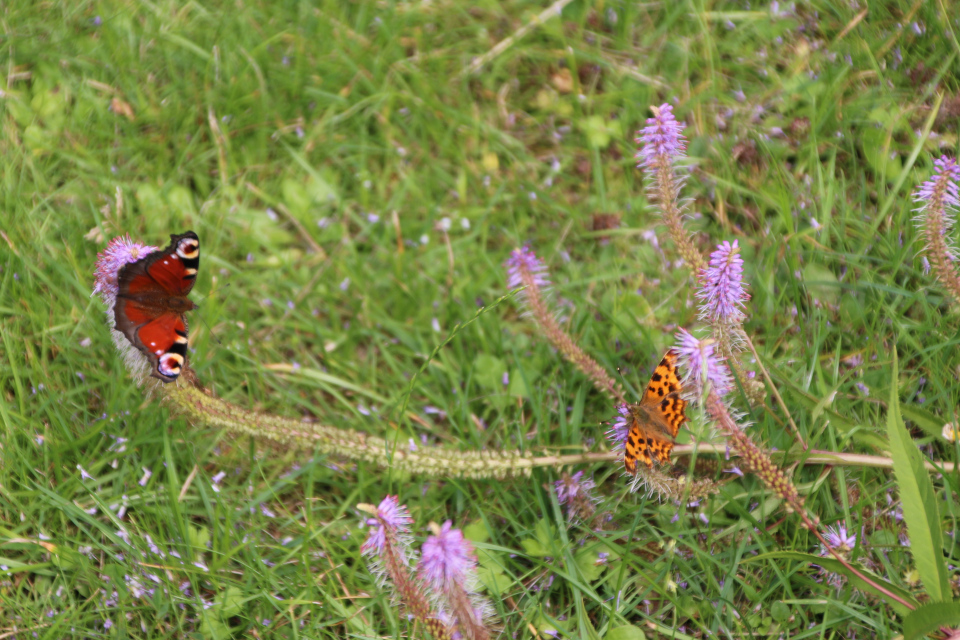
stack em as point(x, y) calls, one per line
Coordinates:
point(524, 261)
point(447, 558)
point(735, 470)
point(721, 286)
point(84, 475)
point(838, 538)
point(505, 378)
point(662, 139)
point(702, 364)
point(572, 487)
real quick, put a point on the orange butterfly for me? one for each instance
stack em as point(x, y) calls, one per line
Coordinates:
point(656, 419)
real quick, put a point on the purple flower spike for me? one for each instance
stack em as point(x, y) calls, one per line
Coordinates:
point(388, 552)
point(938, 199)
point(392, 518)
point(393, 514)
point(447, 559)
point(942, 187)
point(721, 286)
point(702, 364)
point(524, 261)
point(662, 139)
point(448, 566)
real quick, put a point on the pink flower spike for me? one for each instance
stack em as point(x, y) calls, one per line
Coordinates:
point(662, 139)
point(721, 286)
point(392, 518)
point(701, 364)
point(393, 514)
point(524, 261)
point(448, 566)
point(119, 252)
point(447, 558)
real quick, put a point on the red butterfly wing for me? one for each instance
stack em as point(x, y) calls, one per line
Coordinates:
point(152, 300)
point(172, 270)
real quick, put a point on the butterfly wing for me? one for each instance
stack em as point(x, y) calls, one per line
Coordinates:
point(151, 302)
point(662, 395)
point(644, 443)
point(657, 418)
point(171, 271)
point(161, 337)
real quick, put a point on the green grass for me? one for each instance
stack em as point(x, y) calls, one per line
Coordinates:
point(340, 112)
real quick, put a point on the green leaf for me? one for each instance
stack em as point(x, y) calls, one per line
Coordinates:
point(589, 565)
point(533, 548)
point(518, 383)
point(229, 603)
point(929, 618)
point(924, 419)
point(199, 537)
point(540, 547)
point(780, 611)
point(628, 632)
point(476, 531)
point(920, 511)
point(832, 564)
point(490, 573)
point(821, 283)
point(489, 371)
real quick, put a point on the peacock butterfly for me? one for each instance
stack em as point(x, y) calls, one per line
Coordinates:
point(152, 299)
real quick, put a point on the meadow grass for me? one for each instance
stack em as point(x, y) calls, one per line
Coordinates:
point(357, 174)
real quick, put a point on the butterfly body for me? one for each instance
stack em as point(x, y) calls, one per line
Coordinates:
point(657, 418)
point(152, 300)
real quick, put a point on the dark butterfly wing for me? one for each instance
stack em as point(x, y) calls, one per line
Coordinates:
point(171, 271)
point(152, 299)
point(162, 338)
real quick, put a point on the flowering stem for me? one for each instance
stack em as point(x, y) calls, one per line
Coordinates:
point(779, 483)
point(811, 526)
point(204, 409)
point(663, 146)
point(565, 344)
point(938, 197)
point(387, 547)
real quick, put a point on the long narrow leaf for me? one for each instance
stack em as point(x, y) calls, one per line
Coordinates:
point(833, 565)
point(929, 618)
point(919, 501)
